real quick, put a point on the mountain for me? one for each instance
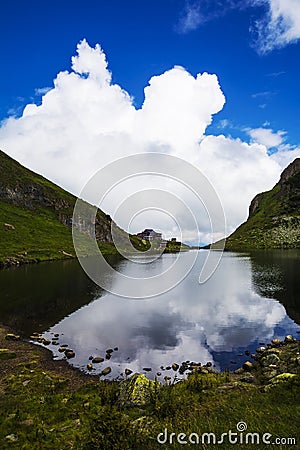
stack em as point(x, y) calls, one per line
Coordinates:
point(274, 216)
point(36, 218)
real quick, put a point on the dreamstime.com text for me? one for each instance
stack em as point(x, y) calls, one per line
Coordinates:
point(241, 436)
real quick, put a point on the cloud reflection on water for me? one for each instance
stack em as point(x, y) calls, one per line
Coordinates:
point(190, 322)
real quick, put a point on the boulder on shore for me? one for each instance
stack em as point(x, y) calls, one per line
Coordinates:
point(137, 390)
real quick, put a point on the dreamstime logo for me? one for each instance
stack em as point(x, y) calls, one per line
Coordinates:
point(241, 426)
point(231, 437)
point(88, 225)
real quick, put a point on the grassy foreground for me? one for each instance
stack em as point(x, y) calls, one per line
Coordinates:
point(45, 405)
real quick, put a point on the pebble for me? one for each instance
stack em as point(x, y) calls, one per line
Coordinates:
point(106, 371)
point(260, 349)
point(97, 360)
point(175, 367)
point(247, 365)
point(128, 372)
point(11, 437)
point(148, 369)
point(12, 337)
point(69, 353)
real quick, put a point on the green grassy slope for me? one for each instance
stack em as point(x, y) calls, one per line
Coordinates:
point(40, 213)
point(274, 216)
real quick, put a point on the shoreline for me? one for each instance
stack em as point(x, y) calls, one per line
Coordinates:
point(27, 353)
point(21, 260)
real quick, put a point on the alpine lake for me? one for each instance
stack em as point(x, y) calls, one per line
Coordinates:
point(251, 299)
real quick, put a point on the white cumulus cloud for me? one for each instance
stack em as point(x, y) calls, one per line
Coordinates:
point(85, 122)
point(267, 137)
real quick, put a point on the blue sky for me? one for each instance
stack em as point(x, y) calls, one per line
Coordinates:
point(141, 39)
point(249, 124)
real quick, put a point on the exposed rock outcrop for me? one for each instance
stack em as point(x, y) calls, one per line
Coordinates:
point(274, 216)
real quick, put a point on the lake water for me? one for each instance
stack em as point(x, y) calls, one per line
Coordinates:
point(250, 299)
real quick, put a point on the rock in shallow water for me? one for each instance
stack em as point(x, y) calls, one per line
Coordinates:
point(247, 365)
point(97, 360)
point(106, 371)
point(69, 353)
point(260, 349)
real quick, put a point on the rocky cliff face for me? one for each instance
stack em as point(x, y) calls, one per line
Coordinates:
point(289, 187)
point(274, 216)
point(36, 218)
point(25, 189)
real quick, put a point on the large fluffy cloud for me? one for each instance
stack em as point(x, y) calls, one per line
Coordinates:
point(85, 121)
